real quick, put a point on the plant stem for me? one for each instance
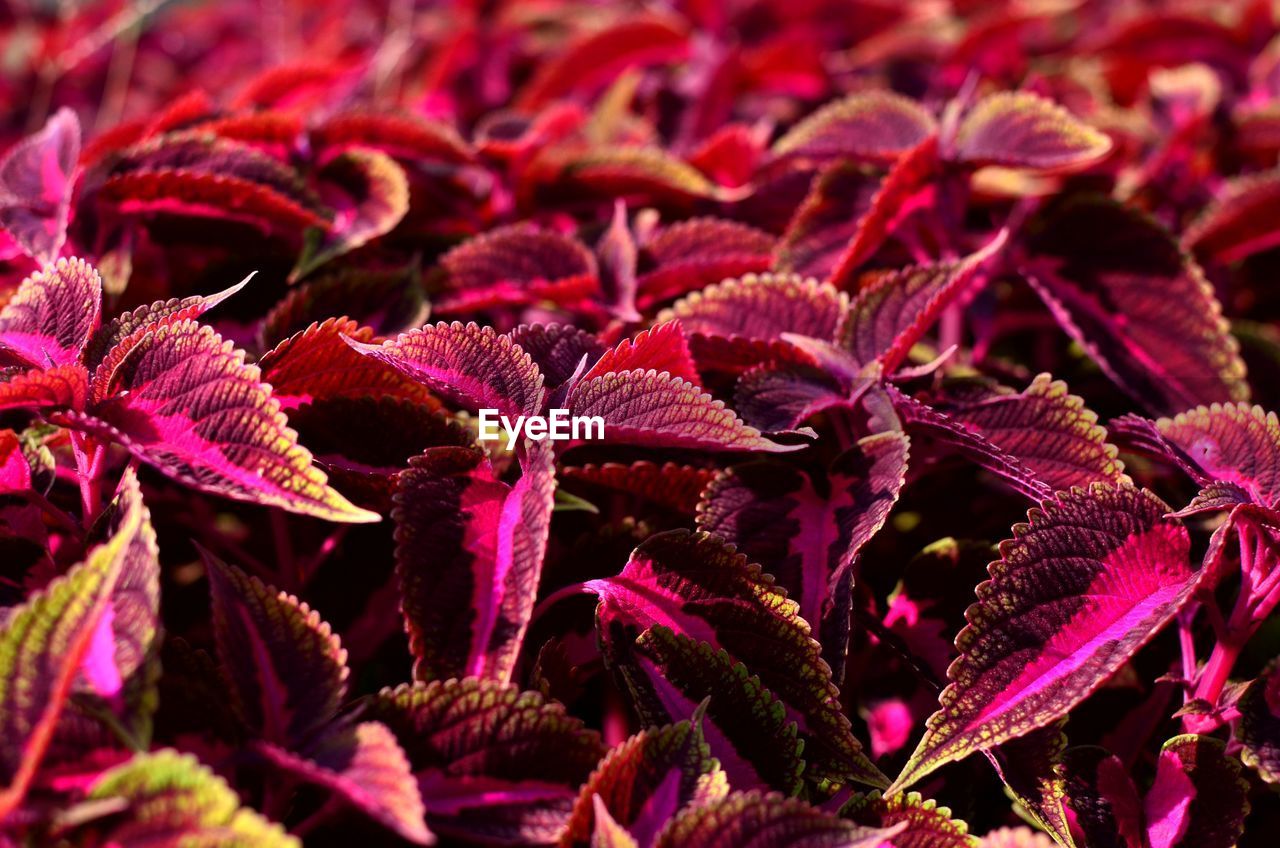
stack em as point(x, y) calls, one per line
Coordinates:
point(88, 456)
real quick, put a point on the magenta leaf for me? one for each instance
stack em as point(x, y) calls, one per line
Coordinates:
point(473, 365)
point(1120, 286)
point(37, 176)
point(365, 766)
point(645, 781)
point(168, 798)
point(49, 319)
point(286, 669)
point(823, 225)
point(923, 823)
point(889, 316)
point(493, 764)
point(557, 349)
point(872, 126)
point(461, 533)
point(740, 322)
point(766, 820)
point(1235, 444)
point(1020, 129)
point(516, 264)
point(1044, 426)
point(185, 402)
point(1034, 646)
point(112, 342)
point(63, 637)
point(1199, 797)
point(808, 542)
point(15, 471)
point(699, 587)
point(689, 255)
point(654, 409)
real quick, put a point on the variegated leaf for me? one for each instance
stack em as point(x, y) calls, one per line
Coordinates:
point(185, 402)
point(473, 365)
point(1020, 129)
point(698, 586)
point(286, 669)
point(808, 542)
point(461, 533)
point(645, 781)
point(924, 823)
point(494, 764)
point(766, 820)
point(1120, 287)
point(49, 319)
point(64, 635)
point(1088, 581)
point(871, 126)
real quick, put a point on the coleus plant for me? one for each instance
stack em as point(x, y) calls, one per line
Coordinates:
point(932, 353)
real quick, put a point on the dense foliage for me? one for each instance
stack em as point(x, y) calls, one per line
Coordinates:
point(857, 288)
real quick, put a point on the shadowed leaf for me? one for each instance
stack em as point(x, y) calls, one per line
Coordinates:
point(766, 820)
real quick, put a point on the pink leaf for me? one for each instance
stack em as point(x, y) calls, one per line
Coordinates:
point(36, 178)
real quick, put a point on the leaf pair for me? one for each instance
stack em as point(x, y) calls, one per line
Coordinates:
point(286, 674)
point(687, 619)
point(646, 391)
point(166, 388)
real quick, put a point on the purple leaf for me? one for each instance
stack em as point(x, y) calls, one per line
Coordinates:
point(49, 319)
point(469, 551)
point(515, 264)
point(808, 542)
point(111, 342)
point(286, 669)
point(185, 402)
point(1120, 287)
point(473, 365)
point(657, 410)
point(557, 349)
point(690, 255)
point(47, 640)
point(873, 126)
point(1045, 427)
point(889, 316)
point(699, 587)
point(645, 781)
point(1020, 129)
point(494, 764)
point(1088, 581)
point(671, 485)
point(1240, 222)
point(779, 398)
point(365, 766)
point(766, 820)
point(36, 179)
point(1236, 444)
point(386, 301)
point(168, 798)
point(740, 322)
